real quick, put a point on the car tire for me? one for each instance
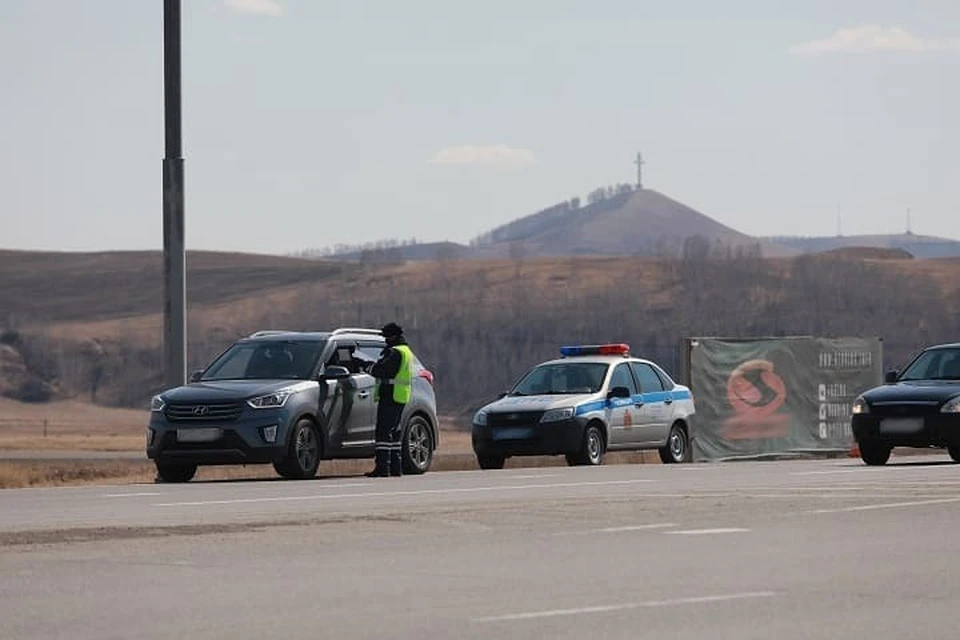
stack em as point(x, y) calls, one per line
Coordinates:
point(591, 449)
point(954, 453)
point(875, 454)
point(677, 449)
point(491, 462)
point(417, 446)
point(176, 472)
point(303, 455)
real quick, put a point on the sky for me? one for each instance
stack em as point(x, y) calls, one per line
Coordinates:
point(312, 123)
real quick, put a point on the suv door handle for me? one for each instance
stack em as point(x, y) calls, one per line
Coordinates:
point(638, 404)
point(364, 394)
point(668, 401)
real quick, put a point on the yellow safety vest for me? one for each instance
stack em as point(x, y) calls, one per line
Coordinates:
point(403, 381)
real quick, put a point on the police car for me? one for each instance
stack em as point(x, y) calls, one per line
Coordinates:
point(594, 399)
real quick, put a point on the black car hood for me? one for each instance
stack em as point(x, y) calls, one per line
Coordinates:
point(915, 391)
point(226, 390)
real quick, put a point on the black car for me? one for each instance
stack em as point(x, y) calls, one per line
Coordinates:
point(290, 399)
point(917, 408)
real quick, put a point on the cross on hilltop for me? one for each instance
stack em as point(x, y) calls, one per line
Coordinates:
point(639, 162)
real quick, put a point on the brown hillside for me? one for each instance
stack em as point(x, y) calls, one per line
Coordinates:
point(479, 324)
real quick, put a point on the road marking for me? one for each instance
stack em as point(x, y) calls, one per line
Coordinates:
point(706, 532)
point(421, 492)
point(534, 476)
point(533, 615)
point(625, 529)
point(132, 495)
point(886, 505)
point(636, 527)
point(823, 473)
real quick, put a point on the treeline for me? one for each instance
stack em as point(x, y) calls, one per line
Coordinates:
point(480, 325)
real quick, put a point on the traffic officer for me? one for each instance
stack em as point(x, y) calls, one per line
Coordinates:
point(394, 386)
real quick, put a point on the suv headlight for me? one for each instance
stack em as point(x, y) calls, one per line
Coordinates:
point(952, 406)
point(480, 418)
point(860, 406)
point(271, 400)
point(157, 404)
point(556, 415)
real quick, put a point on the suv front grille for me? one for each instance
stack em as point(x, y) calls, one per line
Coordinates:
point(195, 413)
point(514, 418)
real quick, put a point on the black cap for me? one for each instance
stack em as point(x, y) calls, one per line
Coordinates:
point(391, 330)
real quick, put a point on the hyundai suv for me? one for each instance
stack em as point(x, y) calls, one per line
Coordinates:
point(290, 399)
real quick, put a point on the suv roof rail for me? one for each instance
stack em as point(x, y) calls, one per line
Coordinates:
point(371, 332)
point(270, 332)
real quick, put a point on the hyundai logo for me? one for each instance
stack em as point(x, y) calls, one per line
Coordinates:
point(201, 411)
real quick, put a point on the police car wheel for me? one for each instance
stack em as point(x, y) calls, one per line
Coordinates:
point(491, 462)
point(591, 450)
point(417, 446)
point(677, 447)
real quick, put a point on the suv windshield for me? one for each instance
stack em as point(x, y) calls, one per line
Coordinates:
point(266, 360)
point(935, 364)
point(562, 378)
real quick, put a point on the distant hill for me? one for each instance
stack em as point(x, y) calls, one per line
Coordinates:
point(916, 245)
point(639, 222)
point(617, 221)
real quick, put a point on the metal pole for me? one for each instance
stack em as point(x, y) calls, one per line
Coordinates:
point(174, 262)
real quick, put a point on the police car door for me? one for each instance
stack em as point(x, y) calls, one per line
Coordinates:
point(657, 404)
point(623, 414)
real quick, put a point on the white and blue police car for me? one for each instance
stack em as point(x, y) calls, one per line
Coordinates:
point(594, 399)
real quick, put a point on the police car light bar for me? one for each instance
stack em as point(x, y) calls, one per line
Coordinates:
point(620, 349)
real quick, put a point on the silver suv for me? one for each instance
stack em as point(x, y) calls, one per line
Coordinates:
point(287, 398)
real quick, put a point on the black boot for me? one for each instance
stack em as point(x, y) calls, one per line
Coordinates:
point(396, 463)
point(382, 468)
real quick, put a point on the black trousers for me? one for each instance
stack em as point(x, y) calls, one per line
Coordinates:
point(389, 451)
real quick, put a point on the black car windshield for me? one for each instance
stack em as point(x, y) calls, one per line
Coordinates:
point(935, 364)
point(266, 360)
point(562, 378)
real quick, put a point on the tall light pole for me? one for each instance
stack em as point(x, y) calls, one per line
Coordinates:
point(174, 261)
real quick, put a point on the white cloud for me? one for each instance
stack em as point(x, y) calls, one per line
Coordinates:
point(495, 155)
point(873, 38)
point(261, 7)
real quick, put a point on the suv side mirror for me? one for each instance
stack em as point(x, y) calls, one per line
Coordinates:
point(196, 375)
point(892, 376)
point(618, 392)
point(335, 373)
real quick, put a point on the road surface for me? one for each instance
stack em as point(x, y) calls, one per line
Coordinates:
point(798, 549)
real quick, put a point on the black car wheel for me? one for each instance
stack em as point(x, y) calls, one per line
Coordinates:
point(875, 454)
point(677, 448)
point(176, 472)
point(303, 457)
point(491, 462)
point(954, 453)
point(417, 446)
point(591, 449)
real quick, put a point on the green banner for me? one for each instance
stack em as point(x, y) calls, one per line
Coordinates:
point(778, 396)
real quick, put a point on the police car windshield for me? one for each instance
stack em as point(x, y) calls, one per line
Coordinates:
point(266, 360)
point(562, 378)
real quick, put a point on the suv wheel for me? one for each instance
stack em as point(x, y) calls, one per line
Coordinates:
point(677, 448)
point(303, 457)
point(591, 450)
point(954, 453)
point(176, 472)
point(417, 446)
point(875, 453)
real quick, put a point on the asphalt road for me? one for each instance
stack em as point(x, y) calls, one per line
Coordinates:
point(784, 550)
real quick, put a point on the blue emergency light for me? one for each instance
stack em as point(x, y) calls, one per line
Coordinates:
point(620, 349)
